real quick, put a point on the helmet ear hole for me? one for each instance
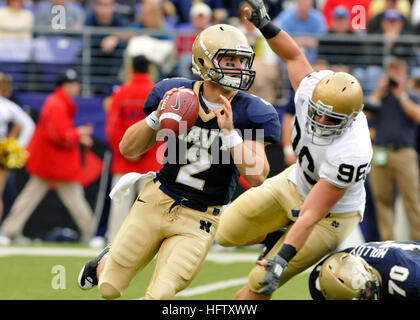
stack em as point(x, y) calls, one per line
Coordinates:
point(201, 61)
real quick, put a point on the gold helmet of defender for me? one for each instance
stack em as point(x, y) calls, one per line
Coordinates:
point(216, 42)
point(339, 96)
point(344, 276)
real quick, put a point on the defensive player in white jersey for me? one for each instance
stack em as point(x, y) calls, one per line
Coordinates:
point(321, 198)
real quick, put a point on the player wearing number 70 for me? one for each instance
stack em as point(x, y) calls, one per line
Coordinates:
point(321, 198)
point(387, 270)
point(177, 213)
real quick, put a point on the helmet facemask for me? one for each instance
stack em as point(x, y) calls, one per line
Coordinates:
point(339, 96)
point(371, 291)
point(324, 134)
point(230, 77)
point(370, 288)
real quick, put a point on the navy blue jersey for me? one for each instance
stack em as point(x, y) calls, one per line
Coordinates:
point(397, 262)
point(195, 165)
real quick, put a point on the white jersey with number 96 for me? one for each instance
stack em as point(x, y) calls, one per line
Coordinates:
point(344, 163)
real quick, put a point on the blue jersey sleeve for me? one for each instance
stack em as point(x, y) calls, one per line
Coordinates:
point(290, 106)
point(153, 99)
point(263, 116)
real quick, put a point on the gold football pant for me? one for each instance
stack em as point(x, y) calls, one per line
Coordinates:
point(267, 208)
point(180, 236)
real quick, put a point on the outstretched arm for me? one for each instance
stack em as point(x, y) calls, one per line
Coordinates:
point(280, 42)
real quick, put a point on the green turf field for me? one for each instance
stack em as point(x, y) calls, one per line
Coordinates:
point(49, 272)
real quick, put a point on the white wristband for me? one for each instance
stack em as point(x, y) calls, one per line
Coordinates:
point(288, 150)
point(232, 140)
point(404, 96)
point(153, 121)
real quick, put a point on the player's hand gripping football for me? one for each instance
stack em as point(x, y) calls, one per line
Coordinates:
point(225, 120)
point(259, 16)
point(275, 268)
point(167, 94)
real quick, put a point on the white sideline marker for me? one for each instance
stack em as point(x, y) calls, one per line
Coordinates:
point(216, 257)
point(212, 287)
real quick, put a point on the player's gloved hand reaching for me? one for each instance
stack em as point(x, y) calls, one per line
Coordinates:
point(259, 16)
point(275, 268)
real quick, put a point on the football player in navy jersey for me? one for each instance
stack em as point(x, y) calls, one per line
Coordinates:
point(387, 270)
point(177, 211)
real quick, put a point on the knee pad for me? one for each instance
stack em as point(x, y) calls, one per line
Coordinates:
point(128, 248)
point(108, 291)
point(257, 274)
point(223, 242)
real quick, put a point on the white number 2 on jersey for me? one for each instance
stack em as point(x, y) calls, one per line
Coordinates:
point(200, 160)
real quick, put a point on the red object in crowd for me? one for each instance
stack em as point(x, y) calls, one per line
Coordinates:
point(358, 10)
point(91, 168)
point(127, 109)
point(54, 148)
point(184, 43)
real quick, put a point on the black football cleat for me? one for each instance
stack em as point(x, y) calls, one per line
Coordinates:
point(87, 276)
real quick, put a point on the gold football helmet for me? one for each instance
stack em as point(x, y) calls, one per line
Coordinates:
point(215, 42)
point(344, 276)
point(339, 96)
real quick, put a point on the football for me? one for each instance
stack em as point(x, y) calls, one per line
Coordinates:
point(179, 112)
